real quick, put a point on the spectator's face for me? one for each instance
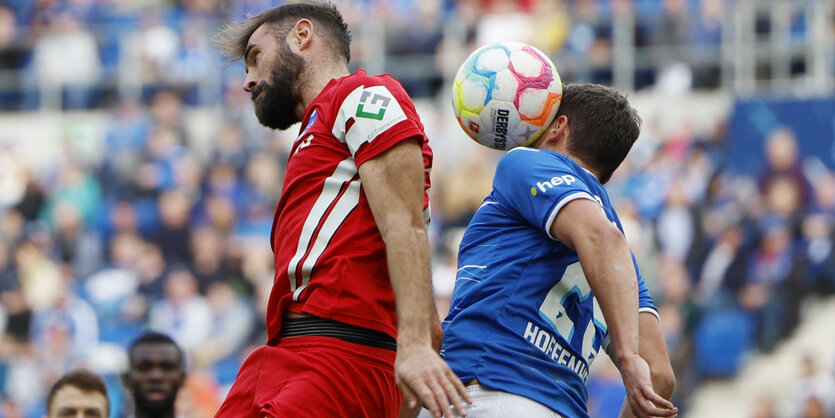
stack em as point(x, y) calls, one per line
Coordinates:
point(125, 249)
point(155, 376)
point(8, 26)
point(813, 408)
point(781, 150)
point(70, 401)
point(174, 209)
point(825, 191)
point(274, 78)
point(180, 286)
point(783, 196)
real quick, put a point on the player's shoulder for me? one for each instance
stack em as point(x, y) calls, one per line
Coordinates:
point(361, 79)
point(378, 80)
point(359, 88)
point(531, 159)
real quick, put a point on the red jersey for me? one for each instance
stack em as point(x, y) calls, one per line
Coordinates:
point(330, 258)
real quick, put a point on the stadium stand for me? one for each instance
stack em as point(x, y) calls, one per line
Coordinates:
point(137, 188)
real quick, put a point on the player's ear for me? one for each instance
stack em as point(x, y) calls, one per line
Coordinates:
point(302, 34)
point(558, 131)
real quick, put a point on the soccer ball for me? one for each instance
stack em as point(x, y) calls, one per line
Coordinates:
point(506, 94)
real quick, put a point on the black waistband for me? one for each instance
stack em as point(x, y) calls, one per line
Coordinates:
point(309, 326)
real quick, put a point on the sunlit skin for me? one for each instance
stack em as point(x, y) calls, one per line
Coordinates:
point(154, 378)
point(72, 402)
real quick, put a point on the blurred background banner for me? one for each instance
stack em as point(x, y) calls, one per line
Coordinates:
point(137, 188)
point(752, 121)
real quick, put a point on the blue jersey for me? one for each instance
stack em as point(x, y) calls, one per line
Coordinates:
point(523, 318)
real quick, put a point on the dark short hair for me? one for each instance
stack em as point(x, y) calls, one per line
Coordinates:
point(603, 126)
point(152, 337)
point(85, 380)
point(232, 40)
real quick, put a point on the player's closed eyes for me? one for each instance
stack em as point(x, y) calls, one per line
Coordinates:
point(70, 412)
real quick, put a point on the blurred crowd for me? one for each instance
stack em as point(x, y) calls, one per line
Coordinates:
point(730, 257)
point(168, 229)
point(150, 236)
point(90, 53)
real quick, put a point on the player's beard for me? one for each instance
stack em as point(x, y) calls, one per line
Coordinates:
point(276, 109)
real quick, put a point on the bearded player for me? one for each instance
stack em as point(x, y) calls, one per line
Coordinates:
point(351, 315)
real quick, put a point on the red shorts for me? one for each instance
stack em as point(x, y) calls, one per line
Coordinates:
point(314, 377)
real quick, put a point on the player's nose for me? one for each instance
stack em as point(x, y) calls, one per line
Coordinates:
point(249, 84)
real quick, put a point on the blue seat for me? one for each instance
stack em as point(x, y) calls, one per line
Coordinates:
point(721, 340)
point(226, 369)
point(120, 333)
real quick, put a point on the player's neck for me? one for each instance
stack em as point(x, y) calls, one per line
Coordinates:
point(320, 78)
point(585, 166)
point(561, 148)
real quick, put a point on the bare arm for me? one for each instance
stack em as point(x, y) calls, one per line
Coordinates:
point(393, 184)
point(607, 264)
point(653, 349)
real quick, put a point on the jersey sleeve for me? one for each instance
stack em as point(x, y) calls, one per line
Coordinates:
point(537, 185)
point(373, 118)
point(645, 302)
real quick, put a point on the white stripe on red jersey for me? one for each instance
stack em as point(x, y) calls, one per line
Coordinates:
point(329, 256)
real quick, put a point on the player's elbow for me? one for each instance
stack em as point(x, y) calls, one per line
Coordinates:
point(605, 237)
point(400, 230)
point(663, 381)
